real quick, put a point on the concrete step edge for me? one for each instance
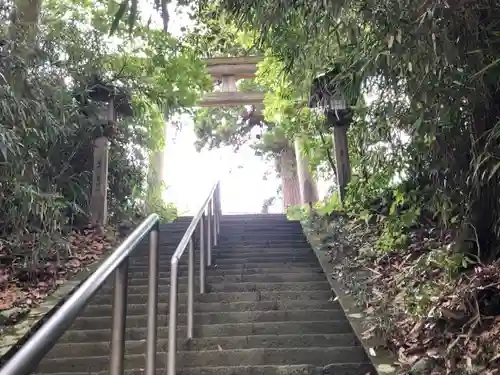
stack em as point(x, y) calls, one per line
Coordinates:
point(258, 283)
point(245, 306)
point(243, 351)
point(252, 265)
point(232, 278)
point(81, 348)
point(266, 294)
point(299, 322)
point(242, 313)
point(303, 369)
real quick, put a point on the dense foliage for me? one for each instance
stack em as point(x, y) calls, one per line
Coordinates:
point(431, 69)
point(52, 54)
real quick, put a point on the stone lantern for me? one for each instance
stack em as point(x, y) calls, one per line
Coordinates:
point(328, 97)
point(112, 102)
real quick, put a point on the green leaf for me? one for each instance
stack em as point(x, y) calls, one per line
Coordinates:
point(494, 170)
point(418, 123)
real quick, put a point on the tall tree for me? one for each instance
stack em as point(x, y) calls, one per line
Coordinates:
point(51, 120)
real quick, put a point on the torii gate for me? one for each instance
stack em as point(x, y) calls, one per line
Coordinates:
point(230, 69)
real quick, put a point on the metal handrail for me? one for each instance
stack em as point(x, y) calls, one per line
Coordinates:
point(32, 352)
point(211, 209)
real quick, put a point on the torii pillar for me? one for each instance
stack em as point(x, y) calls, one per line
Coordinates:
point(308, 187)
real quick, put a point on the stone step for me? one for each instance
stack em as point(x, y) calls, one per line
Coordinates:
point(304, 369)
point(256, 252)
point(229, 253)
point(256, 258)
point(244, 221)
point(242, 271)
point(256, 236)
point(272, 229)
point(229, 287)
point(137, 321)
point(207, 358)
point(225, 221)
point(282, 266)
point(215, 278)
point(268, 310)
point(227, 230)
point(308, 259)
point(299, 248)
point(140, 309)
point(253, 245)
point(269, 230)
point(270, 234)
point(278, 242)
point(219, 330)
point(182, 280)
point(77, 350)
point(223, 297)
point(230, 226)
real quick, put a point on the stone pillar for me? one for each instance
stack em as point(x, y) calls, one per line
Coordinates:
point(228, 84)
point(98, 200)
point(341, 159)
point(308, 188)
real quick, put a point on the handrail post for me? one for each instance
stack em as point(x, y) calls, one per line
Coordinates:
point(209, 234)
point(219, 210)
point(214, 209)
point(210, 218)
point(202, 254)
point(190, 304)
point(154, 255)
point(172, 324)
point(119, 317)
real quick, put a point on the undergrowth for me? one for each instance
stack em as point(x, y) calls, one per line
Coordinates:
point(436, 307)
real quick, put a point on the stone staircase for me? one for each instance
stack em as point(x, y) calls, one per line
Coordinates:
point(268, 310)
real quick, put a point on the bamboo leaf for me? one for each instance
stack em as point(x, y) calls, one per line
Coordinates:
point(494, 170)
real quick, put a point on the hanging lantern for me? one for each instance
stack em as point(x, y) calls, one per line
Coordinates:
point(327, 97)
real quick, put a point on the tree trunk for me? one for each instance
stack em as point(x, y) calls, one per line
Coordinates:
point(308, 188)
point(23, 32)
point(290, 181)
point(484, 218)
point(156, 176)
point(156, 172)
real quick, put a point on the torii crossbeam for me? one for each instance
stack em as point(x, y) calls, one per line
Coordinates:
point(229, 70)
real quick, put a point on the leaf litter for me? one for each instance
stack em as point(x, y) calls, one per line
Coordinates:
point(433, 315)
point(24, 283)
